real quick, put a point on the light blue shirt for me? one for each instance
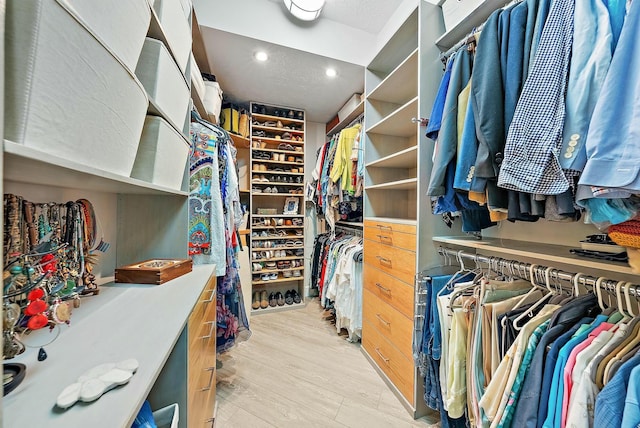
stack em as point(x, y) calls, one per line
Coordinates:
point(609, 403)
point(631, 413)
point(590, 58)
point(613, 143)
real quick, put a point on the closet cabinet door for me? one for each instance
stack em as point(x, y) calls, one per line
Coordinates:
point(202, 359)
point(392, 362)
point(389, 290)
point(394, 261)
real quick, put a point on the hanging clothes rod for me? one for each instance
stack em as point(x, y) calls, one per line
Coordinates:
point(522, 269)
point(349, 229)
point(466, 40)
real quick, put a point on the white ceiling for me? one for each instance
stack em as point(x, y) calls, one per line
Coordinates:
point(347, 36)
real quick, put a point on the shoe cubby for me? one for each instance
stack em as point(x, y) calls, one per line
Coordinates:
point(277, 179)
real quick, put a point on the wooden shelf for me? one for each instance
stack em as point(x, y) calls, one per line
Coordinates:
point(198, 48)
point(277, 194)
point(245, 191)
point(406, 158)
point(398, 123)
point(474, 19)
point(255, 161)
point(393, 220)
point(240, 142)
point(300, 268)
point(278, 151)
point(265, 117)
point(282, 130)
point(277, 227)
point(24, 164)
point(274, 258)
point(549, 253)
point(277, 308)
point(275, 281)
point(276, 140)
point(141, 334)
point(347, 120)
point(408, 184)
point(278, 215)
point(275, 183)
point(277, 238)
point(401, 84)
point(355, 225)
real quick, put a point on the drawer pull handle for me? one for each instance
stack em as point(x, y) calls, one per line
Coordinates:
point(382, 288)
point(385, 359)
point(383, 260)
point(384, 239)
point(382, 226)
point(208, 336)
point(382, 320)
point(212, 370)
point(210, 299)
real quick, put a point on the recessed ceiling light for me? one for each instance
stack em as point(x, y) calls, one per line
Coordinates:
point(305, 10)
point(261, 56)
point(331, 72)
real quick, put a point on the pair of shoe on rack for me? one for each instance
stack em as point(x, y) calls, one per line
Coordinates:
point(260, 300)
point(291, 297)
point(276, 299)
point(289, 274)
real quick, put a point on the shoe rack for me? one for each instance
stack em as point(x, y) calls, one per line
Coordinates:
point(277, 183)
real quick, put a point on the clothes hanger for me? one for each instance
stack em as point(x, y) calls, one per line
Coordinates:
point(621, 303)
point(627, 299)
point(576, 283)
point(599, 293)
point(529, 312)
point(458, 273)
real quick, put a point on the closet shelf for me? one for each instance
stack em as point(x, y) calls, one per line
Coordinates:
point(275, 129)
point(276, 140)
point(393, 220)
point(273, 258)
point(269, 172)
point(88, 337)
point(398, 123)
point(347, 120)
point(157, 32)
point(284, 120)
point(199, 51)
point(240, 142)
point(277, 215)
point(478, 16)
point(275, 238)
point(278, 162)
point(401, 84)
point(278, 151)
point(406, 158)
point(408, 184)
point(28, 165)
point(275, 281)
point(547, 253)
point(300, 268)
point(277, 308)
point(245, 191)
point(276, 227)
point(277, 194)
point(277, 184)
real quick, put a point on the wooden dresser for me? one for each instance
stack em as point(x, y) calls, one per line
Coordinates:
point(201, 385)
point(387, 328)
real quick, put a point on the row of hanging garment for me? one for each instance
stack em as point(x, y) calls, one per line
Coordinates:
point(215, 213)
point(336, 273)
point(339, 176)
point(538, 118)
point(499, 352)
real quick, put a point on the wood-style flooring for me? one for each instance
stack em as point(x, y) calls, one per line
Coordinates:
point(296, 371)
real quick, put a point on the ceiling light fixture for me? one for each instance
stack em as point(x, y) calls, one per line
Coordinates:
point(305, 10)
point(261, 56)
point(331, 72)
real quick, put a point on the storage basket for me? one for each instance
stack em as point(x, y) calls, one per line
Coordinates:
point(66, 94)
point(197, 82)
point(177, 30)
point(163, 81)
point(212, 98)
point(162, 154)
point(167, 417)
point(267, 211)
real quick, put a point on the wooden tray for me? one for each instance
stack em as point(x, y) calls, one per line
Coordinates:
point(154, 271)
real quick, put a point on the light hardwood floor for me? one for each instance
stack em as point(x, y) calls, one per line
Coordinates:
point(296, 371)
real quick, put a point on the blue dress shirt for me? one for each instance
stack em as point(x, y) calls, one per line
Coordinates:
point(609, 403)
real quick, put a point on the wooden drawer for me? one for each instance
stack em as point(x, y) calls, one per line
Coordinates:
point(203, 312)
point(396, 262)
point(390, 237)
point(390, 290)
point(396, 366)
point(393, 325)
point(202, 404)
point(389, 227)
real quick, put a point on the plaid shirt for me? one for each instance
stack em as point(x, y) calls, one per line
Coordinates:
point(535, 136)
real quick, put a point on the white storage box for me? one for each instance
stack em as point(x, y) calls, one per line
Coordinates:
point(65, 93)
point(186, 7)
point(163, 81)
point(167, 417)
point(119, 25)
point(349, 106)
point(196, 78)
point(162, 154)
point(455, 11)
point(212, 98)
point(176, 28)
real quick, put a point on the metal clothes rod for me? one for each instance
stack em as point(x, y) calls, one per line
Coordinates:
point(348, 230)
point(521, 269)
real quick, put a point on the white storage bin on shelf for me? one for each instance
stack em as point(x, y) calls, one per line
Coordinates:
point(161, 78)
point(176, 28)
point(119, 25)
point(455, 11)
point(186, 7)
point(162, 154)
point(197, 82)
point(65, 93)
point(212, 98)
point(167, 417)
